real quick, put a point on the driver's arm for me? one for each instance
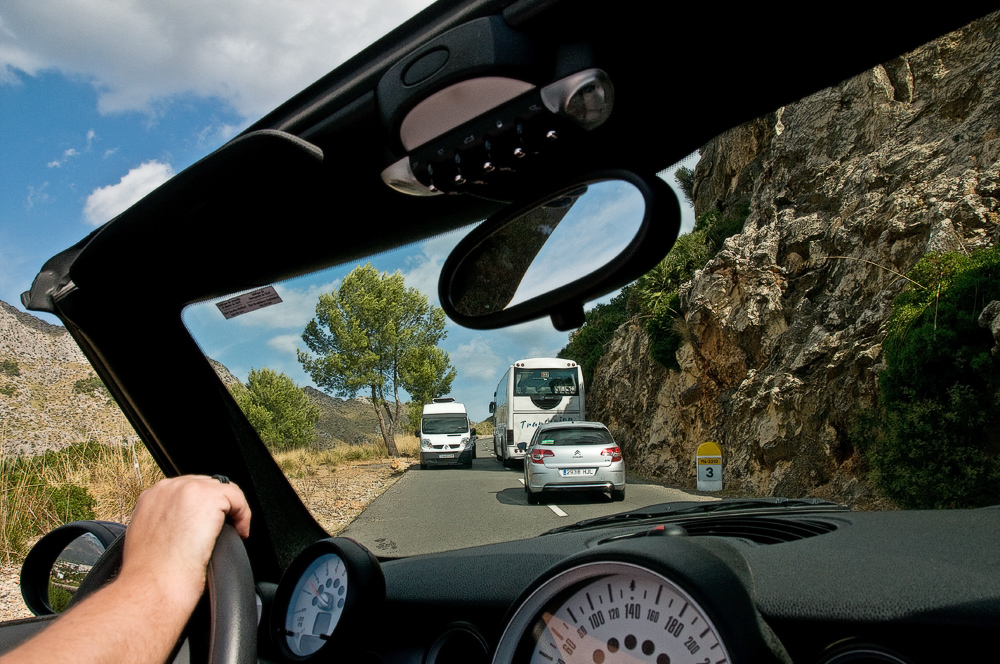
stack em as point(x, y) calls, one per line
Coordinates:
point(138, 617)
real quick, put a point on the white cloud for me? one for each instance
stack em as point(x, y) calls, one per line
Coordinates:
point(252, 55)
point(105, 203)
point(535, 338)
point(476, 360)
point(38, 195)
point(213, 136)
point(286, 343)
point(67, 155)
point(423, 269)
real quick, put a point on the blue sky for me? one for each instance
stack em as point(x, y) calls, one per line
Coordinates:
point(101, 102)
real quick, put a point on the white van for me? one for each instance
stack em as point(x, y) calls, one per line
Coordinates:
point(445, 436)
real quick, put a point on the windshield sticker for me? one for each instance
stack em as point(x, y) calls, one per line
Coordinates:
point(242, 304)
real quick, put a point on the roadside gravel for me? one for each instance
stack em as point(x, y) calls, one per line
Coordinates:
point(334, 498)
point(11, 605)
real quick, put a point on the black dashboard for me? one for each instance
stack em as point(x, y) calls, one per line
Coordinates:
point(830, 587)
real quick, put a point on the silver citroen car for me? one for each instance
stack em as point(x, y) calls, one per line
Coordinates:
point(579, 456)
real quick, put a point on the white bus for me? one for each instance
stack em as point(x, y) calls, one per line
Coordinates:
point(533, 392)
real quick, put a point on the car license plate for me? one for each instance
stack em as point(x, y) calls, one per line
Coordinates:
point(576, 472)
point(446, 456)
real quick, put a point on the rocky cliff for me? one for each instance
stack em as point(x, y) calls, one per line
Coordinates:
point(39, 407)
point(847, 190)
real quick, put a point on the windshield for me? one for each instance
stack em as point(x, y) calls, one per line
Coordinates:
point(823, 328)
point(444, 424)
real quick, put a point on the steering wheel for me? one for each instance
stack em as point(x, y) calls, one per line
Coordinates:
point(233, 606)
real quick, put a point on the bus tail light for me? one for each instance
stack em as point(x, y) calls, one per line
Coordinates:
point(538, 456)
point(614, 452)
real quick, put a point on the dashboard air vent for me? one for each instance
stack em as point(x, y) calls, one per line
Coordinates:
point(762, 530)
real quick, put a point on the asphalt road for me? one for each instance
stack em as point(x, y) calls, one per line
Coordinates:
point(452, 507)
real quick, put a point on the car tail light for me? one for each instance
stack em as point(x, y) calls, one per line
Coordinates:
point(614, 452)
point(538, 456)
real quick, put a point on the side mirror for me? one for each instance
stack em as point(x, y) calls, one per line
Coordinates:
point(522, 446)
point(473, 433)
point(57, 564)
point(493, 407)
point(551, 254)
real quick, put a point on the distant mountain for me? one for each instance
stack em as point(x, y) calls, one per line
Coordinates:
point(345, 420)
point(50, 396)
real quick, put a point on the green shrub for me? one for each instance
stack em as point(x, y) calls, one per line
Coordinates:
point(665, 337)
point(71, 502)
point(91, 385)
point(586, 345)
point(33, 503)
point(656, 292)
point(10, 368)
point(654, 296)
point(718, 226)
point(8, 390)
point(934, 441)
point(280, 412)
point(685, 180)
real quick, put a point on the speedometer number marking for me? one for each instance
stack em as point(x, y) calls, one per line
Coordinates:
point(611, 631)
point(674, 626)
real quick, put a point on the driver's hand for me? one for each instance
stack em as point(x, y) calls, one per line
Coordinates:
point(173, 530)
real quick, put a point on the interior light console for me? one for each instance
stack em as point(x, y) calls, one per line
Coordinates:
point(470, 119)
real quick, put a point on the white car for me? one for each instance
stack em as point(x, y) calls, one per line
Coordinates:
point(573, 456)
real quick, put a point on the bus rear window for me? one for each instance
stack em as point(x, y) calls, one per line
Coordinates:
point(530, 382)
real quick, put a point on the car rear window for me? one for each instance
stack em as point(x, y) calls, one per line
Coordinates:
point(576, 437)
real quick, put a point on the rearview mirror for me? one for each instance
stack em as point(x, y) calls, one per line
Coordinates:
point(555, 252)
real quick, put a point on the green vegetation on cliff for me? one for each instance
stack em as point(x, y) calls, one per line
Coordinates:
point(654, 296)
point(586, 345)
point(934, 440)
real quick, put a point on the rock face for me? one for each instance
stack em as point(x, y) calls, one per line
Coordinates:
point(847, 190)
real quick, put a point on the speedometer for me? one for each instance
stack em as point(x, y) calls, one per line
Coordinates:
point(332, 588)
point(655, 600)
point(631, 615)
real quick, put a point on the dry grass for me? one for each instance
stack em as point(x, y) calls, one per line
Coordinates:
point(43, 492)
point(114, 475)
point(304, 462)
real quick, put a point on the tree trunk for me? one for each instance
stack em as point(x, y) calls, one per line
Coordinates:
point(388, 435)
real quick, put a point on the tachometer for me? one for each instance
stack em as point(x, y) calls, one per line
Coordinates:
point(316, 604)
point(331, 585)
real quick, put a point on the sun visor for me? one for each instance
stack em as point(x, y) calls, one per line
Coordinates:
point(229, 210)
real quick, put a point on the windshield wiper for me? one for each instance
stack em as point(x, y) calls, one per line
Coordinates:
point(667, 512)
